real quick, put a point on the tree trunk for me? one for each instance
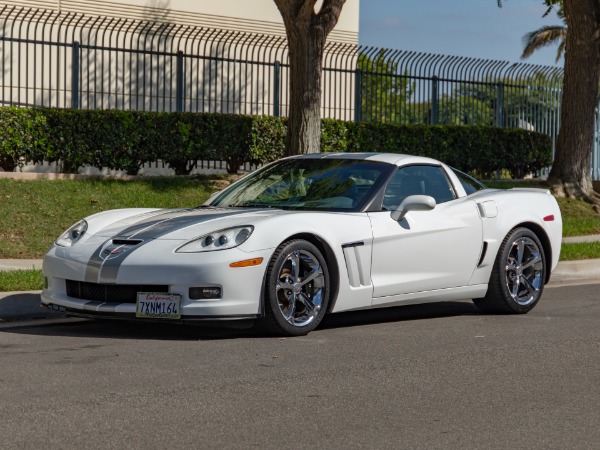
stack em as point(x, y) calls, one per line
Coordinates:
point(570, 175)
point(304, 121)
point(306, 33)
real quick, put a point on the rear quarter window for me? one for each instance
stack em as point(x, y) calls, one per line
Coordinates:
point(469, 184)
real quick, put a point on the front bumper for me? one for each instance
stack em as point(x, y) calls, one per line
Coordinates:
point(241, 288)
point(107, 312)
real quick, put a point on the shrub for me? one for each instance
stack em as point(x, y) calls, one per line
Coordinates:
point(125, 140)
point(22, 137)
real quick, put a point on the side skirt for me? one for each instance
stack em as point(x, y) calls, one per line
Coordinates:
point(438, 295)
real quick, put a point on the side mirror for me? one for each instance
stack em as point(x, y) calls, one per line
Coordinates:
point(413, 203)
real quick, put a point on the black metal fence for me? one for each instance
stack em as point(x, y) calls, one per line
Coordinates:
point(56, 59)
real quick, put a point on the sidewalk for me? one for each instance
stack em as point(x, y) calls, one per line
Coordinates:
point(580, 239)
point(20, 264)
point(26, 305)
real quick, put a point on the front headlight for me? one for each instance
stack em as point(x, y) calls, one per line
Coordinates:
point(73, 234)
point(219, 240)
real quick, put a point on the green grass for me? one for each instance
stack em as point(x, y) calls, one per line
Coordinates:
point(21, 280)
point(584, 250)
point(579, 218)
point(34, 213)
point(507, 184)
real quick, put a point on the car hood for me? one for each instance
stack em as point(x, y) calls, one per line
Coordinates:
point(174, 223)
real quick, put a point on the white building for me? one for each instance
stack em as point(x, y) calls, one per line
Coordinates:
point(167, 55)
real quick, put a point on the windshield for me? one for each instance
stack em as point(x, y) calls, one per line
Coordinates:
point(313, 184)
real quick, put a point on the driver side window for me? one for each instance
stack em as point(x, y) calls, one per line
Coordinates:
point(418, 180)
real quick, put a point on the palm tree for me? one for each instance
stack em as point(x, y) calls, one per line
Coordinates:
point(545, 36)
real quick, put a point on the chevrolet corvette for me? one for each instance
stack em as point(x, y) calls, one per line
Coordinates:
point(312, 235)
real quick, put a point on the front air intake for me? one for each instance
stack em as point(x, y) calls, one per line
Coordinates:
point(110, 293)
point(127, 241)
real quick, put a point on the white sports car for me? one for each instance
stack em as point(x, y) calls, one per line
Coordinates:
point(310, 235)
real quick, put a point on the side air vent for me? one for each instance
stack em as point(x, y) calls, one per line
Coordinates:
point(358, 274)
point(483, 253)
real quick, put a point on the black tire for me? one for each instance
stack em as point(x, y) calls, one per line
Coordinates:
point(294, 306)
point(518, 277)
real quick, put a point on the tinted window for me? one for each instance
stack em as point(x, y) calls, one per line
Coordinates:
point(418, 180)
point(314, 184)
point(469, 183)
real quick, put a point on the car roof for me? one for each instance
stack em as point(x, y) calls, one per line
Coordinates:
point(390, 158)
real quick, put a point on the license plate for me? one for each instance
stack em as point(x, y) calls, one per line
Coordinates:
point(158, 305)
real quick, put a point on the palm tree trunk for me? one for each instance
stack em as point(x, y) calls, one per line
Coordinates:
point(570, 174)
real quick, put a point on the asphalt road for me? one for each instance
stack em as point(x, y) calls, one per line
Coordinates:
point(430, 377)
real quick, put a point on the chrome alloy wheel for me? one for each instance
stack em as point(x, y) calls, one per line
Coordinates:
point(299, 288)
point(524, 271)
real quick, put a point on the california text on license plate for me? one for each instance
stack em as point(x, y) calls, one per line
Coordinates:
point(158, 305)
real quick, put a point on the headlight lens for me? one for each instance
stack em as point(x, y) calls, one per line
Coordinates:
point(73, 234)
point(219, 240)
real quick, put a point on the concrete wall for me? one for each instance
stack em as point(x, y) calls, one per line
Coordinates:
point(253, 16)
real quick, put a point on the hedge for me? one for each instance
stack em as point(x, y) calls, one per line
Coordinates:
point(125, 140)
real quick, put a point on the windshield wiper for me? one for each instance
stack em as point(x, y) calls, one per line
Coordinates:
point(252, 205)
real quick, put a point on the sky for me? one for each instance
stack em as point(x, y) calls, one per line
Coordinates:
point(473, 28)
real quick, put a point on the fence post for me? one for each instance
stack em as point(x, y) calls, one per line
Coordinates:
point(358, 96)
point(276, 89)
point(75, 76)
point(434, 100)
point(500, 105)
point(179, 83)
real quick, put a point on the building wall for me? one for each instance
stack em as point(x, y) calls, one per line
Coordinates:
point(127, 57)
point(250, 16)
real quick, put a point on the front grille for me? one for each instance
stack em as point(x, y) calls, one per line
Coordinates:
point(113, 293)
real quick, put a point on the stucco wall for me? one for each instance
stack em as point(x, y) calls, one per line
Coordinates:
point(254, 16)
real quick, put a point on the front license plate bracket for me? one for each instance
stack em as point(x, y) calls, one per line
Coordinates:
point(158, 305)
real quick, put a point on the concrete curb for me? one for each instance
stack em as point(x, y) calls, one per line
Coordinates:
point(585, 269)
point(26, 305)
point(23, 305)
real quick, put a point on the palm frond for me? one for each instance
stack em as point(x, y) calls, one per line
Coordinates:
point(543, 37)
point(561, 50)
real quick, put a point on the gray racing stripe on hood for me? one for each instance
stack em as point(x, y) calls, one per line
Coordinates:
point(104, 264)
point(165, 223)
point(92, 270)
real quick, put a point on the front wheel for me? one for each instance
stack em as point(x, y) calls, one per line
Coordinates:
point(518, 276)
point(296, 289)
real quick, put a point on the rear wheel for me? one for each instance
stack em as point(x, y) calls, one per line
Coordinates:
point(518, 276)
point(296, 289)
